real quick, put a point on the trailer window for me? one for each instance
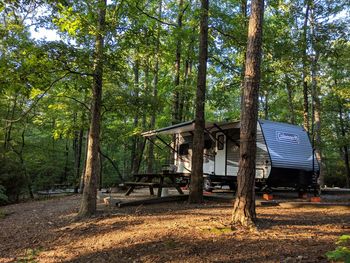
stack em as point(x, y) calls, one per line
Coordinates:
point(221, 141)
point(208, 144)
point(183, 149)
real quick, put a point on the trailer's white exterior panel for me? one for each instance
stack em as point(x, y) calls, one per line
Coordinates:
point(220, 154)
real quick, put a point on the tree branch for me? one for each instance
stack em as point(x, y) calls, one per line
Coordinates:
point(78, 101)
point(224, 65)
point(38, 99)
point(227, 35)
point(115, 166)
point(155, 18)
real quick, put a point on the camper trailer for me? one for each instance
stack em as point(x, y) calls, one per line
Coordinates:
point(284, 156)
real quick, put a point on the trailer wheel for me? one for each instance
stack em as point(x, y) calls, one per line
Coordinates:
point(207, 185)
point(233, 186)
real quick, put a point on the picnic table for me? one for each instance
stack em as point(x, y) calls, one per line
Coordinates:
point(155, 180)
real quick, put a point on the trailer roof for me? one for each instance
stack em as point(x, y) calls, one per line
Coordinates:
point(188, 127)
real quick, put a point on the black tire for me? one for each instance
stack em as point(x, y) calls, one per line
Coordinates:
point(233, 186)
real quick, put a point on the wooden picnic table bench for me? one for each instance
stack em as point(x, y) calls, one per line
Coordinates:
point(155, 180)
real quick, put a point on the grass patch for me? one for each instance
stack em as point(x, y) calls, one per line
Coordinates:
point(30, 255)
point(342, 251)
point(218, 230)
point(2, 214)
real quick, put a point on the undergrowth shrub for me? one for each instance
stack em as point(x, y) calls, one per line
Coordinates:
point(3, 197)
point(342, 251)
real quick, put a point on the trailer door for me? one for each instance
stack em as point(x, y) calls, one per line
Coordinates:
point(220, 156)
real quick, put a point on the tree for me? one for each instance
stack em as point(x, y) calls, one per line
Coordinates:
point(196, 192)
point(88, 202)
point(244, 205)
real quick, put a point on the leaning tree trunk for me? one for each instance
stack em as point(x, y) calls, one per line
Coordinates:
point(88, 202)
point(196, 189)
point(244, 206)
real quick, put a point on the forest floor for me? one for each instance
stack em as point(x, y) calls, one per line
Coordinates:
point(47, 231)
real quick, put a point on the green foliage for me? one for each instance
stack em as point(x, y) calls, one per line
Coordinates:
point(30, 256)
point(342, 251)
point(45, 85)
point(3, 197)
point(12, 180)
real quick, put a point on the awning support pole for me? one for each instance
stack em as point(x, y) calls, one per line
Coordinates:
point(227, 136)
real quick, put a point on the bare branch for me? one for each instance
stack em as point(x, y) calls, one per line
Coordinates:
point(225, 65)
point(155, 18)
point(227, 35)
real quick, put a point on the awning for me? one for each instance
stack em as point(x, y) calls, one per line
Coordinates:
point(173, 129)
point(189, 126)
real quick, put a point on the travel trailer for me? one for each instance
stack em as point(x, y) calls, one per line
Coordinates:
point(284, 158)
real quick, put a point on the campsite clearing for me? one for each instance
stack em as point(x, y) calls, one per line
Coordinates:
point(46, 231)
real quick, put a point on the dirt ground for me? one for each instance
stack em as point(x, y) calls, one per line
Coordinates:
point(47, 231)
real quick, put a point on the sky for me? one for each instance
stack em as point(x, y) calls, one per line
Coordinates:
point(44, 34)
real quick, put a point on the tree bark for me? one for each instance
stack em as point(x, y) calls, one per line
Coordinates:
point(135, 139)
point(345, 150)
point(316, 101)
point(88, 203)
point(304, 74)
point(77, 159)
point(244, 14)
point(290, 100)
point(82, 177)
point(196, 189)
point(244, 206)
point(65, 169)
point(266, 105)
point(176, 100)
point(8, 125)
point(317, 120)
point(155, 93)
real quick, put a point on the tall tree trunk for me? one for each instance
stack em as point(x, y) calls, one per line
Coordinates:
point(135, 139)
point(8, 124)
point(77, 158)
point(82, 176)
point(304, 74)
point(196, 189)
point(290, 100)
point(186, 105)
point(19, 153)
point(155, 93)
point(88, 203)
point(316, 100)
point(244, 206)
point(345, 150)
point(317, 120)
point(266, 105)
point(176, 96)
point(244, 14)
point(65, 170)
